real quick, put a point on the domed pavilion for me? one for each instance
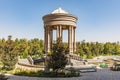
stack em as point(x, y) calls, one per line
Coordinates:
point(59, 20)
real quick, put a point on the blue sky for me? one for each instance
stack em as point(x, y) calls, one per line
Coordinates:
point(98, 20)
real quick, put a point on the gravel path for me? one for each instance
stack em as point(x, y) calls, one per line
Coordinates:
point(103, 74)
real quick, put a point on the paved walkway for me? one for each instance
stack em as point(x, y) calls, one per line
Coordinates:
point(103, 74)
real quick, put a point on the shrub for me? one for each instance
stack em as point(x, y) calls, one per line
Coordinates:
point(71, 72)
point(44, 74)
point(103, 65)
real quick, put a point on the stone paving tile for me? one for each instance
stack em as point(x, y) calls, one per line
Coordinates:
point(103, 74)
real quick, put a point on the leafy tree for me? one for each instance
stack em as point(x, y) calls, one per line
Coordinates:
point(9, 54)
point(23, 47)
point(35, 47)
point(58, 57)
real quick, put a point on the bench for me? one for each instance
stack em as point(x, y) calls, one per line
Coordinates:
point(33, 61)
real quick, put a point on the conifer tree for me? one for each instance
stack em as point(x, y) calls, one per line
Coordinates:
point(58, 58)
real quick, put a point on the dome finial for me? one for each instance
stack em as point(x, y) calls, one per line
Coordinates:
point(59, 10)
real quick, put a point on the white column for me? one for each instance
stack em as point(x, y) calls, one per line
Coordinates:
point(51, 38)
point(70, 40)
point(60, 31)
point(74, 39)
point(48, 30)
point(57, 32)
point(46, 39)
